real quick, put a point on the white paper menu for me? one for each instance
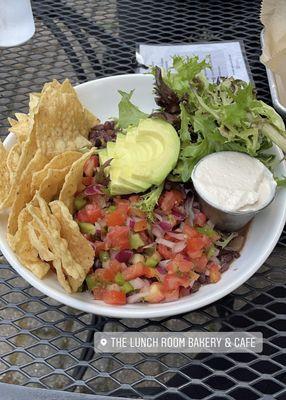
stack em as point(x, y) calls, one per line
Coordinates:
point(226, 58)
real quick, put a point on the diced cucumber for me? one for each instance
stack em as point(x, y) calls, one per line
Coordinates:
point(103, 256)
point(87, 228)
point(127, 287)
point(136, 241)
point(119, 279)
point(79, 202)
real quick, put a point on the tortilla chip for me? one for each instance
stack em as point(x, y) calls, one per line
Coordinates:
point(23, 193)
point(13, 160)
point(50, 228)
point(80, 248)
point(52, 184)
point(25, 251)
point(91, 119)
point(39, 242)
point(73, 181)
point(33, 102)
point(4, 173)
point(60, 161)
point(60, 121)
point(21, 127)
point(29, 148)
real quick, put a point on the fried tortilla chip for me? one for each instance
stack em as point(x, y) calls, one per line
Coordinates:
point(13, 160)
point(29, 148)
point(73, 181)
point(81, 250)
point(22, 126)
point(4, 173)
point(23, 191)
point(39, 242)
point(25, 250)
point(60, 161)
point(33, 102)
point(53, 183)
point(50, 228)
point(60, 121)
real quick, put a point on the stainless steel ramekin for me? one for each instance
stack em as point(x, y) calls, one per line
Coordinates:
point(224, 220)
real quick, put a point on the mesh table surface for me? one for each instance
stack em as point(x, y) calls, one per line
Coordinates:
point(44, 344)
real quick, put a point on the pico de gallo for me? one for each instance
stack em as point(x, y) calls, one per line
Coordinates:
point(143, 259)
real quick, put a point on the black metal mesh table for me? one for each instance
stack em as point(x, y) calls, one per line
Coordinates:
point(44, 344)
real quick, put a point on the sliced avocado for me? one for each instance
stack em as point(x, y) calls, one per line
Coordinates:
point(143, 157)
point(103, 156)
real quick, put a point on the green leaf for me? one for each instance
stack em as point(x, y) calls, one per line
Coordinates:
point(185, 121)
point(148, 201)
point(129, 114)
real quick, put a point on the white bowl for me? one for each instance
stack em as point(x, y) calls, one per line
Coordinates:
point(101, 97)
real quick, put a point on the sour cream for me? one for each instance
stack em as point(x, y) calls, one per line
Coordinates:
point(234, 182)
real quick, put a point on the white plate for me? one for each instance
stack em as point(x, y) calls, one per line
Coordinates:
point(101, 97)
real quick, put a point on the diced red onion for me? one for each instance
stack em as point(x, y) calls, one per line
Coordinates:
point(178, 247)
point(179, 236)
point(93, 189)
point(138, 283)
point(158, 216)
point(113, 254)
point(136, 297)
point(131, 223)
point(124, 256)
point(179, 214)
point(161, 270)
point(189, 210)
point(165, 242)
point(163, 263)
point(157, 231)
point(165, 225)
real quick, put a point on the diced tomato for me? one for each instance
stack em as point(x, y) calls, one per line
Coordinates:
point(150, 272)
point(170, 199)
point(118, 238)
point(110, 272)
point(200, 219)
point(116, 217)
point(215, 273)
point(140, 225)
point(172, 282)
point(98, 247)
point(114, 297)
point(136, 212)
point(98, 293)
point(172, 295)
point(165, 252)
point(190, 231)
point(194, 254)
point(179, 263)
point(195, 243)
point(91, 213)
point(155, 294)
point(88, 180)
point(134, 271)
point(200, 263)
point(90, 165)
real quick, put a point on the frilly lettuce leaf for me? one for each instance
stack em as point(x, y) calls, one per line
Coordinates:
point(129, 114)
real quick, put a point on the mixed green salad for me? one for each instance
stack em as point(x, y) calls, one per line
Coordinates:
point(137, 206)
